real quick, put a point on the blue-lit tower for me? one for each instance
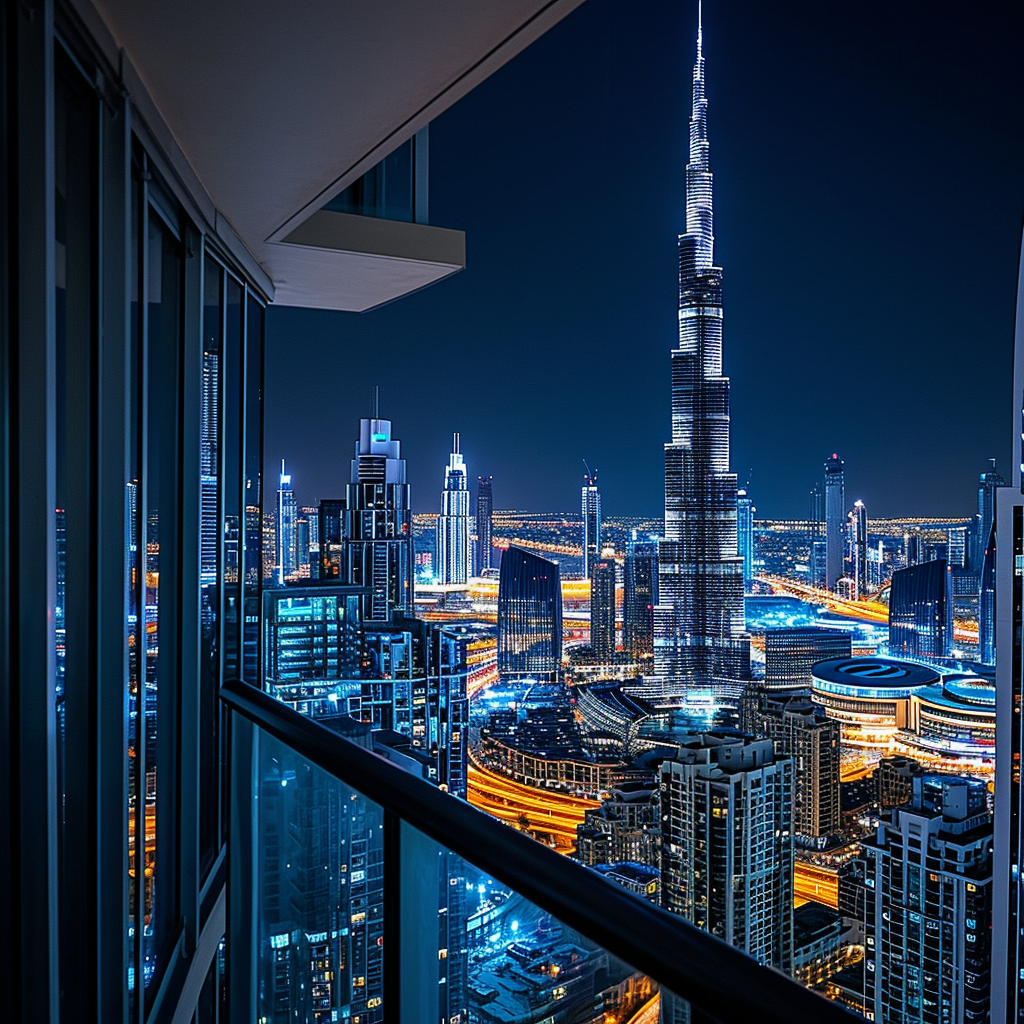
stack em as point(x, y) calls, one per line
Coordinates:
point(835, 517)
point(745, 535)
point(372, 528)
point(699, 621)
point(286, 514)
point(453, 523)
point(484, 524)
point(591, 514)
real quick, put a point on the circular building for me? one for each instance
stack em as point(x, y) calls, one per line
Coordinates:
point(956, 719)
point(871, 698)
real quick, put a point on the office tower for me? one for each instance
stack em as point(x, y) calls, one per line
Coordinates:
point(640, 595)
point(857, 546)
point(484, 524)
point(928, 917)
point(602, 607)
point(988, 483)
point(956, 546)
point(790, 653)
point(371, 534)
point(453, 554)
point(311, 640)
point(835, 514)
point(286, 513)
point(921, 611)
point(302, 545)
point(699, 620)
point(529, 617)
point(269, 546)
point(876, 565)
point(591, 514)
point(745, 536)
point(624, 828)
point(727, 842)
point(801, 731)
point(913, 546)
point(816, 509)
point(414, 683)
point(894, 781)
point(987, 604)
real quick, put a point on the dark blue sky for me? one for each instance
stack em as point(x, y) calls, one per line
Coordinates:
point(869, 192)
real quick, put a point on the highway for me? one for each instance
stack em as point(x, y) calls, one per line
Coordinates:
point(648, 1013)
point(866, 611)
point(816, 885)
point(530, 810)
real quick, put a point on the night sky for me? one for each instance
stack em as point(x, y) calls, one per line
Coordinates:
point(869, 192)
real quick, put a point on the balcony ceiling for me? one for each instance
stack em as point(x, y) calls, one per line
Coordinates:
point(279, 106)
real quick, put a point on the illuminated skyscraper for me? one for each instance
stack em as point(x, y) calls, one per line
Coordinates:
point(857, 548)
point(376, 546)
point(591, 510)
point(835, 515)
point(745, 535)
point(529, 616)
point(453, 522)
point(286, 512)
point(602, 607)
point(727, 842)
point(484, 526)
point(986, 560)
point(699, 620)
point(921, 611)
point(640, 595)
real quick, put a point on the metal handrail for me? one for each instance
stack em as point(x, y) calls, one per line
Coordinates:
point(715, 977)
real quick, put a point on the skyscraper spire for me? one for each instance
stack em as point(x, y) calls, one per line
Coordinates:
point(699, 619)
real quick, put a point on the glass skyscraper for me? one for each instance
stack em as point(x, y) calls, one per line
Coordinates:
point(857, 544)
point(921, 611)
point(591, 514)
point(453, 522)
point(640, 595)
point(484, 524)
point(835, 513)
point(602, 608)
point(376, 525)
point(286, 513)
point(745, 535)
point(699, 621)
point(529, 616)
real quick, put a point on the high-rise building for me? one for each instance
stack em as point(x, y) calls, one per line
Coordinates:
point(857, 549)
point(640, 595)
point(375, 541)
point(602, 607)
point(801, 731)
point(453, 553)
point(484, 524)
point(745, 536)
point(727, 842)
point(699, 620)
point(921, 611)
point(928, 914)
point(988, 483)
point(987, 604)
point(286, 513)
point(529, 617)
point(269, 546)
point(956, 546)
point(591, 515)
point(624, 827)
point(816, 522)
point(913, 546)
point(790, 653)
point(835, 514)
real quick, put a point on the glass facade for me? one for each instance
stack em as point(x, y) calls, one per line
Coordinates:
point(921, 611)
point(529, 616)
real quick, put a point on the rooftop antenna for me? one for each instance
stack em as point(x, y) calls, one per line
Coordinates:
point(456, 441)
point(376, 401)
point(993, 461)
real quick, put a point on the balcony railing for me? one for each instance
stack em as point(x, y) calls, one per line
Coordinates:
point(413, 820)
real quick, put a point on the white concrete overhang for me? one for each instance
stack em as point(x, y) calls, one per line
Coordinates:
point(277, 107)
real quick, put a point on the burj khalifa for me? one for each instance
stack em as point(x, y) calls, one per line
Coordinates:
point(699, 639)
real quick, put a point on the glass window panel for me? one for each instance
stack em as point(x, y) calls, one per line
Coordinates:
point(210, 449)
point(160, 497)
point(320, 893)
point(76, 203)
point(252, 496)
point(232, 482)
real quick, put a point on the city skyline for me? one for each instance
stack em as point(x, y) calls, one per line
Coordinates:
point(907, 337)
